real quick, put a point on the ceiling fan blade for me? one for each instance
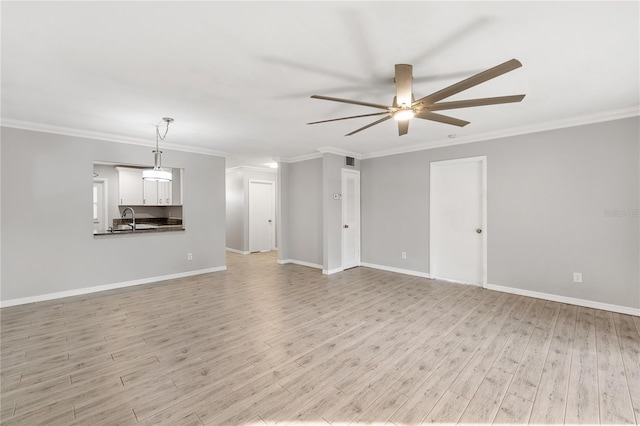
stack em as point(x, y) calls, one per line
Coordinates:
point(404, 80)
point(369, 125)
point(349, 101)
point(476, 102)
point(403, 127)
point(427, 115)
point(469, 82)
point(347, 118)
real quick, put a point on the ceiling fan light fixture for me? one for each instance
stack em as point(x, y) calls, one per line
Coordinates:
point(404, 114)
point(404, 107)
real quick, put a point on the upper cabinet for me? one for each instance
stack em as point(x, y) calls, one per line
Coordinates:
point(165, 193)
point(130, 186)
point(157, 193)
point(135, 191)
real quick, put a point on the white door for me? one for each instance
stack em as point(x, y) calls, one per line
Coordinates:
point(261, 216)
point(457, 229)
point(350, 218)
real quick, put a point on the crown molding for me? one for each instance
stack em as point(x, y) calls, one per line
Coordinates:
point(515, 131)
point(339, 151)
point(252, 168)
point(67, 131)
point(304, 157)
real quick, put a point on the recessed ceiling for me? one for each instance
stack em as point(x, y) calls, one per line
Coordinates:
point(237, 76)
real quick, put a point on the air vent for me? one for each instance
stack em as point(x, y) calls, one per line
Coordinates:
point(351, 161)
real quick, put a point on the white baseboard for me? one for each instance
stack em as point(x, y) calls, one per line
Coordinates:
point(397, 270)
point(232, 250)
point(87, 290)
point(456, 281)
point(299, 262)
point(564, 299)
point(310, 265)
point(332, 271)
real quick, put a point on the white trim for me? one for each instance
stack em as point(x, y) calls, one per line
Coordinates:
point(332, 271)
point(232, 250)
point(396, 270)
point(253, 168)
point(515, 131)
point(67, 131)
point(88, 290)
point(266, 182)
point(457, 282)
point(299, 262)
point(299, 158)
point(565, 299)
point(339, 151)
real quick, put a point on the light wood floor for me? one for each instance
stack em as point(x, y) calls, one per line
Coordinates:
point(282, 344)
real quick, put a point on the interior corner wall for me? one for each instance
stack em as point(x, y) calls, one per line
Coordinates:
point(559, 202)
point(301, 211)
point(46, 228)
point(282, 212)
point(332, 165)
point(234, 189)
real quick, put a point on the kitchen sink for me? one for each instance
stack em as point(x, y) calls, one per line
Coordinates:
point(140, 226)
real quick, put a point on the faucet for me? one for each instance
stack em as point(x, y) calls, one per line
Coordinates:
point(133, 216)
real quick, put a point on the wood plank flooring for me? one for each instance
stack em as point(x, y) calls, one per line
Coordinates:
point(268, 344)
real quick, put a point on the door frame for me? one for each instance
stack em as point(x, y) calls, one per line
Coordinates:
point(105, 199)
point(343, 174)
point(483, 166)
point(272, 213)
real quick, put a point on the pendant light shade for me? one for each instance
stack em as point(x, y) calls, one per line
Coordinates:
point(158, 173)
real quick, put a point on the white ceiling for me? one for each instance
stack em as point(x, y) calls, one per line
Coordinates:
point(237, 76)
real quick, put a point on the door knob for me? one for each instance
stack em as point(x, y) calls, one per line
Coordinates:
point(479, 231)
point(346, 226)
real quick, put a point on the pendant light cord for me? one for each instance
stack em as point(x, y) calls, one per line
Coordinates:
point(157, 152)
point(166, 130)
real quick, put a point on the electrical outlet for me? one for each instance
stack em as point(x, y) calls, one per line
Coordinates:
point(189, 256)
point(404, 254)
point(577, 277)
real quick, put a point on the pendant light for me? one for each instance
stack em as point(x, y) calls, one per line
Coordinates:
point(158, 173)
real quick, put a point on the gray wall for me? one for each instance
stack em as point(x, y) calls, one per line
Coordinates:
point(549, 194)
point(301, 211)
point(311, 218)
point(235, 209)
point(46, 228)
point(282, 211)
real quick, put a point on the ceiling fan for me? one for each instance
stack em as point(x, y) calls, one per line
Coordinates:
point(405, 107)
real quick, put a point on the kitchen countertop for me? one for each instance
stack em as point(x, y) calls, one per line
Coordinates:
point(142, 228)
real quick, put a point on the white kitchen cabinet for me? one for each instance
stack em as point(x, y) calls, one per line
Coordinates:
point(130, 186)
point(150, 193)
point(164, 193)
point(157, 193)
